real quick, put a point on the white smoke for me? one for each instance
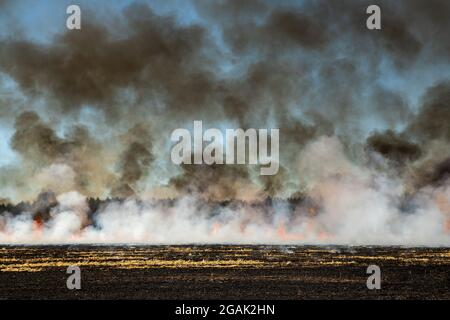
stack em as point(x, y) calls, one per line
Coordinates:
point(357, 206)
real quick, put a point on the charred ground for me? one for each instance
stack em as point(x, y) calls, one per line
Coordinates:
point(223, 272)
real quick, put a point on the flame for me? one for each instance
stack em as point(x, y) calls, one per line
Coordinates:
point(443, 204)
point(38, 225)
point(77, 235)
point(281, 231)
point(447, 226)
point(323, 235)
point(215, 228)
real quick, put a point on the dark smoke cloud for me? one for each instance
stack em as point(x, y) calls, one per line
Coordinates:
point(362, 159)
point(432, 172)
point(214, 182)
point(430, 128)
point(394, 146)
point(150, 60)
point(154, 57)
point(282, 29)
point(41, 207)
point(423, 146)
point(432, 121)
point(135, 160)
point(40, 146)
point(311, 69)
point(441, 173)
point(34, 139)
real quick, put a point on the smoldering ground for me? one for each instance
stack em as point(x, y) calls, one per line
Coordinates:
point(363, 128)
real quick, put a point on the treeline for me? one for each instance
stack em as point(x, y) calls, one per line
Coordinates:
point(46, 201)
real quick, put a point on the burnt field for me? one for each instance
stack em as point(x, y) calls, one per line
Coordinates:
point(223, 272)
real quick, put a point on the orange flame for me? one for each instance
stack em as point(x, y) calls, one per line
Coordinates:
point(38, 225)
point(215, 228)
point(444, 207)
point(281, 231)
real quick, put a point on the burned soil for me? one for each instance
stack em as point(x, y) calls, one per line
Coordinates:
point(223, 272)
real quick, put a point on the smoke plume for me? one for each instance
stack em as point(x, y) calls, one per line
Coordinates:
point(363, 115)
